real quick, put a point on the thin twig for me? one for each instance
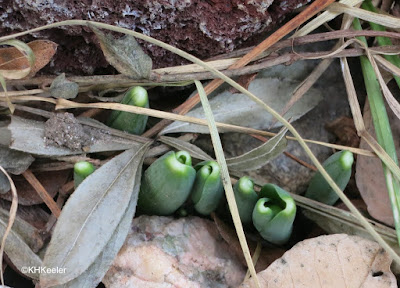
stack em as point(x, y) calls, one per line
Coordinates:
point(47, 199)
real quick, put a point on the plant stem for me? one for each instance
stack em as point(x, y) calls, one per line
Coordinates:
point(382, 129)
point(382, 41)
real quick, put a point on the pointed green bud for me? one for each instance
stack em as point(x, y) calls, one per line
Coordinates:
point(81, 171)
point(166, 184)
point(131, 122)
point(207, 189)
point(274, 214)
point(246, 198)
point(338, 167)
point(182, 212)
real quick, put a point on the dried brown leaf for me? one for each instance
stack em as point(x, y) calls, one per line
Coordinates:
point(12, 59)
point(335, 260)
point(345, 130)
point(373, 189)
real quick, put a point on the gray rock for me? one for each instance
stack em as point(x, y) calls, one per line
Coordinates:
point(4, 183)
point(166, 252)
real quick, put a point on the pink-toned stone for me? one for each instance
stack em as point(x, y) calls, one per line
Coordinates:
point(203, 28)
point(166, 252)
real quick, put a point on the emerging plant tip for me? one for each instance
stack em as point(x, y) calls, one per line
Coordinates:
point(184, 157)
point(207, 189)
point(131, 122)
point(82, 169)
point(346, 160)
point(166, 184)
point(266, 209)
point(274, 214)
point(246, 198)
point(338, 167)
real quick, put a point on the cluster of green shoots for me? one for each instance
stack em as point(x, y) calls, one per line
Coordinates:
point(171, 181)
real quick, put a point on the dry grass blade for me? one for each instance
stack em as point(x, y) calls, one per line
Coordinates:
point(255, 258)
point(226, 180)
point(387, 65)
point(305, 86)
point(337, 50)
point(348, 80)
point(8, 100)
point(352, 96)
point(385, 20)
point(21, 93)
point(393, 104)
point(193, 68)
point(325, 17)
point(66, 104)
point(381, 153)
point(32, 98)
point(13, 214)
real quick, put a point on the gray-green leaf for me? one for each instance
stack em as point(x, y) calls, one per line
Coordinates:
point(63, 88)
point(237, 109)
point(125, 55)
point(15, 162)
point(29, 234)
point(91, 215)
point(28, 136)
point(261, 155)
point(95, 273)
point(179, 144)
point(19, 252)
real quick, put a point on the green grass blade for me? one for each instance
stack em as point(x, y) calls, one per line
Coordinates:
point(226, 180)
point(382, 129)
point(382, 41)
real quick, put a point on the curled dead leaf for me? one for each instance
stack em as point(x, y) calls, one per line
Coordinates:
point(14, 64)
point(373, 189)
point(337, 260)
